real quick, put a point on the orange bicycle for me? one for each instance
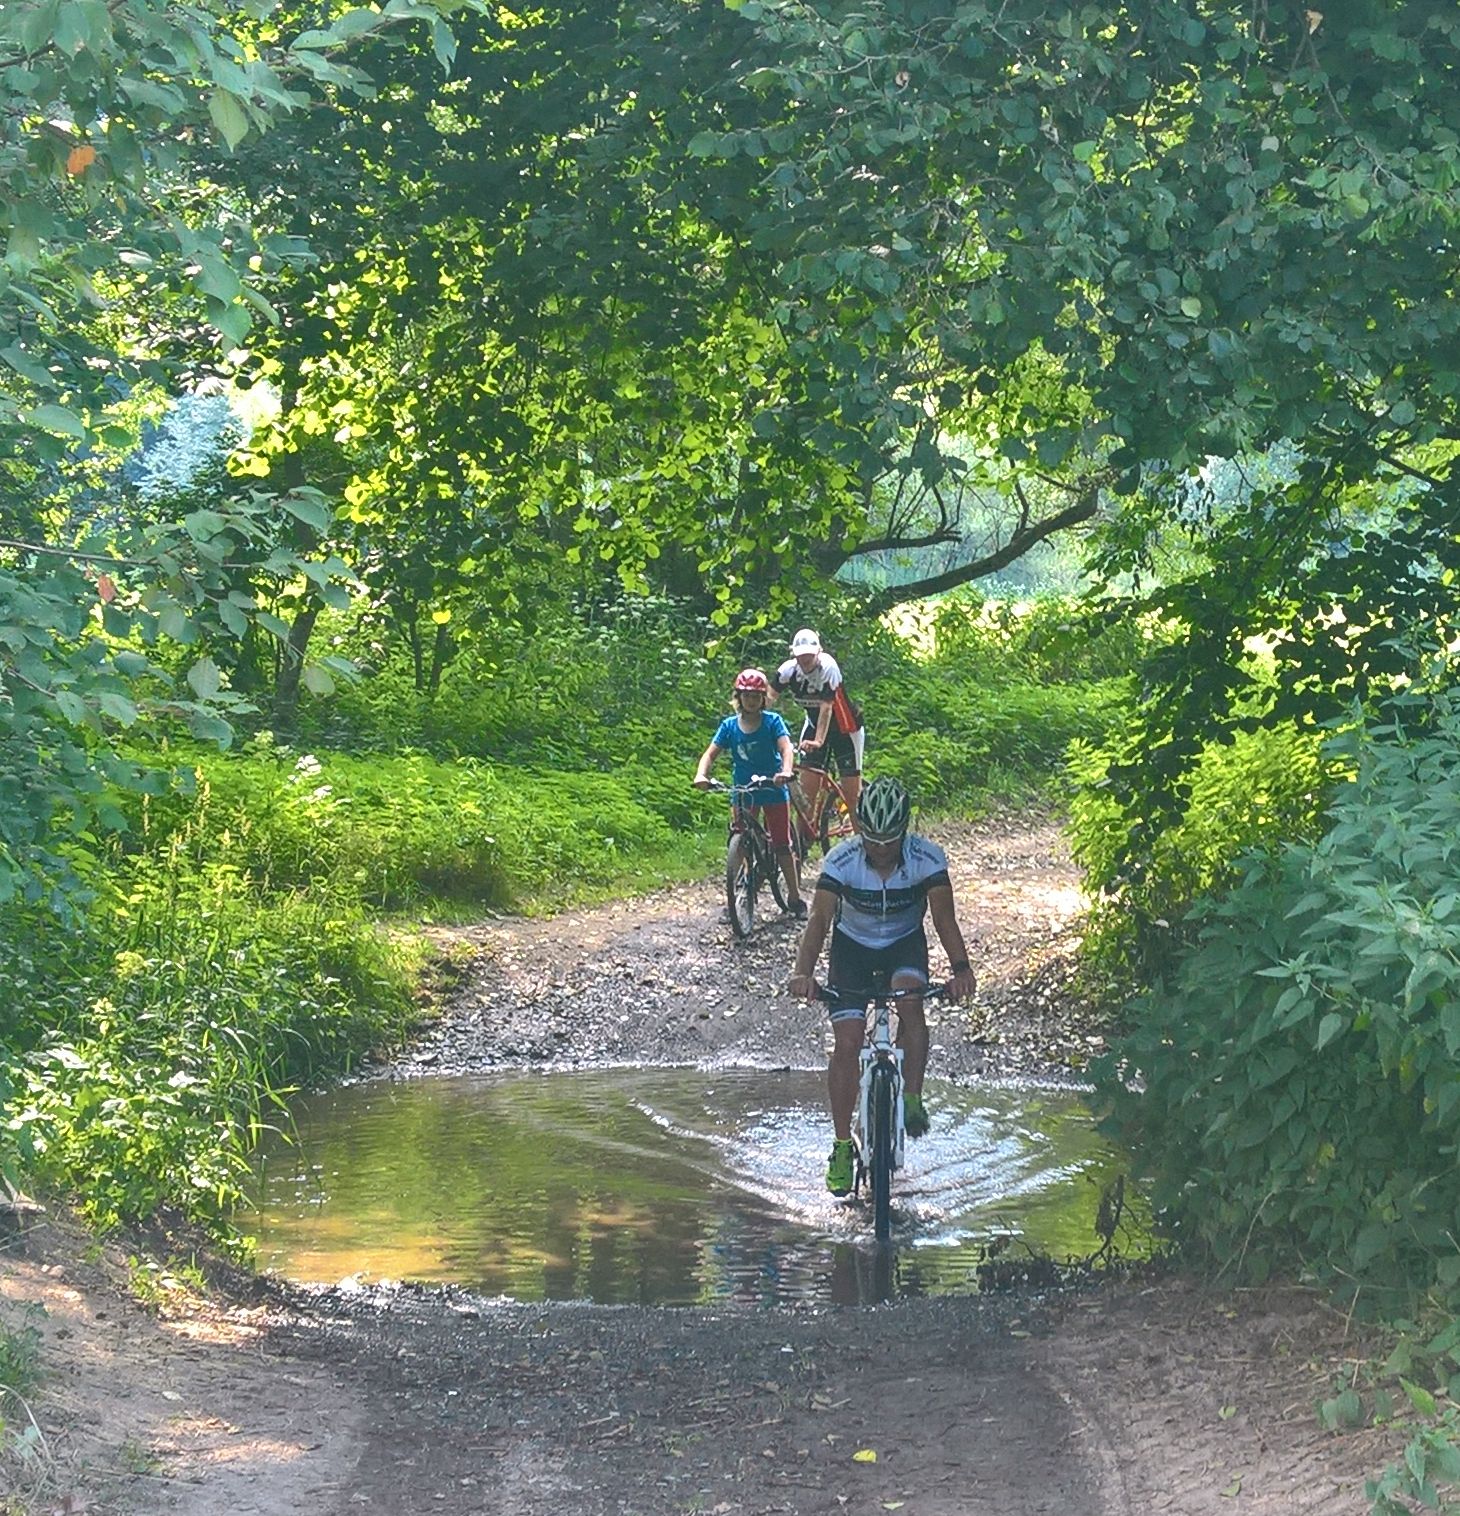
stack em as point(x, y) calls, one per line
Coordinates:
point(824, 818)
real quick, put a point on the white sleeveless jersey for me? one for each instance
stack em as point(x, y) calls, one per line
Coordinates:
point(810, 691)
point(875, 911)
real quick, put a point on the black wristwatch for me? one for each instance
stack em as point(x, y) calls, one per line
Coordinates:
point(958, 968)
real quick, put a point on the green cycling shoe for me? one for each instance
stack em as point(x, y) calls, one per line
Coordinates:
point(840, 1167)
point(914, 1115)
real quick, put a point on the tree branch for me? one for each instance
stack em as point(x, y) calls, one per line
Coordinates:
point(1017, 545)
point(901, 540)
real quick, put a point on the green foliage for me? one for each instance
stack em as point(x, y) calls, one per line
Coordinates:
point(1259, 790)
point(24, 1457)
point(954, 741)
point(399, 830)
point(1430, 1466)
point(978, 700)
point(581, 685)
point(1050, 639)
point(19, 1362)
point(1295, 1090)
point(148, 1041)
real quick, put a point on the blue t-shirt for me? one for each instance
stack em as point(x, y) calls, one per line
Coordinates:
point(755, 753)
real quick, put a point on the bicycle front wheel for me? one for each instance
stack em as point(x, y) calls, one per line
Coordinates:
point(740, 884)
point(881, 1145)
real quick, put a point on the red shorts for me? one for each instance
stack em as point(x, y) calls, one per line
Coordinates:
point(775, 816)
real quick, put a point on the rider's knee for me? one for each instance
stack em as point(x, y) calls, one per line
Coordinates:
point(847, 1038)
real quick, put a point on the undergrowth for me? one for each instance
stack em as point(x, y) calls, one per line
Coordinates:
point(1294, 1088)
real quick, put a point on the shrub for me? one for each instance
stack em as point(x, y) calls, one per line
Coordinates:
point(1296, 1091)
point(1263, 788)
point(952, 738)
point(142, 1060)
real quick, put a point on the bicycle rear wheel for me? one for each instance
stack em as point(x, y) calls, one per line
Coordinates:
point(881, 1144)
point(836, 820)
point(741, 884)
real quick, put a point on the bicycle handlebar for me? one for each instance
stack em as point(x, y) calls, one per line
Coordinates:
point(757, 782)
point(830, 994)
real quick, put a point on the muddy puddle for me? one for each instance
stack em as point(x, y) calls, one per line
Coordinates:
point(669, 1187)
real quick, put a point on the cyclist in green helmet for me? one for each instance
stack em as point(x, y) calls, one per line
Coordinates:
point(871, 898)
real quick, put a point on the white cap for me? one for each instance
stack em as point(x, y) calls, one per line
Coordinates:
point(805, 641)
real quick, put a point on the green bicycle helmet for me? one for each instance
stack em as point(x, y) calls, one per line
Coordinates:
point(883, 810)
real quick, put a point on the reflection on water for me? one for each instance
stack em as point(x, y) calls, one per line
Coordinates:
point(665, 1187)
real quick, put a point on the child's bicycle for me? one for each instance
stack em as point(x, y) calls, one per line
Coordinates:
point(877, 1128)
point(750, 860)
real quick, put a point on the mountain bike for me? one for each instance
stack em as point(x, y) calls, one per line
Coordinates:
point(877, 1129)
point(825, 819)
point(750, 860)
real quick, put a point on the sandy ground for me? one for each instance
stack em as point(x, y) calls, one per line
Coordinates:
point(258, 1398)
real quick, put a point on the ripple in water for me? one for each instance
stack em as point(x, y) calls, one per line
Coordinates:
point(666, 1187)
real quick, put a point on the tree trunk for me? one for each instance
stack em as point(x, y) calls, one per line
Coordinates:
point(440, 656)
point(286, 692)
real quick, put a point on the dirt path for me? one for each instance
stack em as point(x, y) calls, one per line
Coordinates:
point(266, 1399)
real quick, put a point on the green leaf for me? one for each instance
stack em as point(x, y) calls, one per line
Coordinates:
point(1329, 1028)
point(317, 680)
point(119, 708)
point(229, 116)
point(73, 708)
point(174, 622)
point(56, 418)
point(1420, 1398)
point(313, 511)
point(204, 678)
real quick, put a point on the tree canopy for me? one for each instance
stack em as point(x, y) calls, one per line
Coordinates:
point(722, 295)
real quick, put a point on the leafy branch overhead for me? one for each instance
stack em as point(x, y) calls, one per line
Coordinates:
point(721, 299)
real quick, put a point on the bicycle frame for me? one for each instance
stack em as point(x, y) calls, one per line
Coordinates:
point(750, 859)
point(879, 1046)
point(880, 1152)
point(808, 815)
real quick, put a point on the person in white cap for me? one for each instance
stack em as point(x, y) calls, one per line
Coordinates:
point(832, 734)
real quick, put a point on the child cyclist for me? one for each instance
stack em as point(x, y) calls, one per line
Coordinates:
point(760, 748)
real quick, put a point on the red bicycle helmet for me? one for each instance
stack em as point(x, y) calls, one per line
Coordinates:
point(753, 680)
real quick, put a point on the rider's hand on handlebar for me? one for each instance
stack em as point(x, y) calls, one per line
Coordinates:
point(702, 781)
point(781, 779)
point(802, 986)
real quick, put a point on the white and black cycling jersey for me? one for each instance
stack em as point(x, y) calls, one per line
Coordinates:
point(811, 690)
point(875, 911)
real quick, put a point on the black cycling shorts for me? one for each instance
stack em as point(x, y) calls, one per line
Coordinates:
point(856, 970)
point(840, 755)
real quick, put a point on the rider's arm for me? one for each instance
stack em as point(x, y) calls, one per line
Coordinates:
point(824, 710)
point(788, 759)
point(707, 759)
point(950, 934)
point(818, 924)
